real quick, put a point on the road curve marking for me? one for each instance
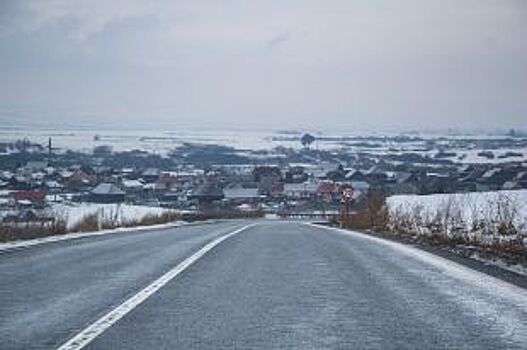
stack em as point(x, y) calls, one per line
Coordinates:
point(91, 332)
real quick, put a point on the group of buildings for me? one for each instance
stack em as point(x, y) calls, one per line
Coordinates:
point(301, 181)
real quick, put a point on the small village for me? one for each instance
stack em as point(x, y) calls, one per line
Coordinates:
point(197, 178)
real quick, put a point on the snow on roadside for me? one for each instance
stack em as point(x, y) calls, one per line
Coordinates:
point(119, 213)
point(516, 268)
point(478, 206)
point(56, 238)
point(474, 205)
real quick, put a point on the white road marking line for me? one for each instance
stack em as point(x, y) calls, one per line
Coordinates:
point(15, 245)
point(510, 322)
point(22, 244)
point(102, 324)
point(454, 269)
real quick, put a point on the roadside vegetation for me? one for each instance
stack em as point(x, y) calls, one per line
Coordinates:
point(95, 222)
point(494, 229)
point(30, 230)
point(111, 220)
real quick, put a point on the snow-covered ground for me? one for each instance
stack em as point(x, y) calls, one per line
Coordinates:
point(119, 213)
point(156, 141)
point(486, 207)
point(476, 205)
point(163, 141)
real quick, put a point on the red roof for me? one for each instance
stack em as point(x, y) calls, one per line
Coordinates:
point(31, 195)
point(326, 187)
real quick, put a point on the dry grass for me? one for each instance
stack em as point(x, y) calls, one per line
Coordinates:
point(20, 231)
point(499, 233)
point(96, 222)
point(372, 214)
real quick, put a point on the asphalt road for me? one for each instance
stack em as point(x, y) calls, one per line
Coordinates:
point(275, 285)
point(48, 292)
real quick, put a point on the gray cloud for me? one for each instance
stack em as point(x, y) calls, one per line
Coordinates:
point(340, 64)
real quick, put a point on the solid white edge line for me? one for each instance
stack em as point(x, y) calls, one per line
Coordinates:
point(91, 332)
point(16, 245)
point(446, 265)
point(23, 244)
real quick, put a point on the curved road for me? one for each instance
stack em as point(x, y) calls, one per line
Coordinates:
point(273, 285)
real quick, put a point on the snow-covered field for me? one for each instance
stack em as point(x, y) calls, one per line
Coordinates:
point(163, 141)
point(476, 205)
point(157, 141)
point(460, 211)
point(118, 213)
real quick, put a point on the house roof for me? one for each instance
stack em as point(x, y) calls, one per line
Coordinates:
point(322, 169)
point(326, 187)
point(6, 175)
point(310, 187)
point(66, 173)
point(402, 176)
point(510, 185)
point(208, 190)
point(241, 193)
point(151, 172)
point(491, 172)
point(132, 183)
point(36, 164)
point(107, 189)
point(53, 184)
point(157, 186)
point(360, 185)
point(354, 172)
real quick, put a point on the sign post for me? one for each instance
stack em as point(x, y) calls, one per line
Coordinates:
point(345, 201)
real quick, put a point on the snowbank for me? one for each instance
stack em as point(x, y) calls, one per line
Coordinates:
point(472, 206)
point(118, 213)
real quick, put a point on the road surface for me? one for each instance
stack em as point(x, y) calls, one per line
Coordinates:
point(272, 285)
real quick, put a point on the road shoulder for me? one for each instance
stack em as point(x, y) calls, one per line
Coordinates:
point(450, 254)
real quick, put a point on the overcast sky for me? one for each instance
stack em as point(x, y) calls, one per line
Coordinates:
point(351, 64)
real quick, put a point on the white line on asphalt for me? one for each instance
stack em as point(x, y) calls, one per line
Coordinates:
point(14, 245)
point(472, 291)
point(22, 244)
point(98, 327)
point(454, 269)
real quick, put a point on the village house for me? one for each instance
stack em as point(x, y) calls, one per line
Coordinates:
point(206, 194)
point(107, 193)
point(151, 174)
point(28, 198)
point(329, 191)
point(242, 195)
point(79, 180)
point(304, 190)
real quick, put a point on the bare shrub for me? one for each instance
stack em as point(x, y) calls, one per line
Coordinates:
point(373, 214)
point(157, 219)
point(89, 222)
point(493, 226)
point(30, 230)
point(109, 219)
